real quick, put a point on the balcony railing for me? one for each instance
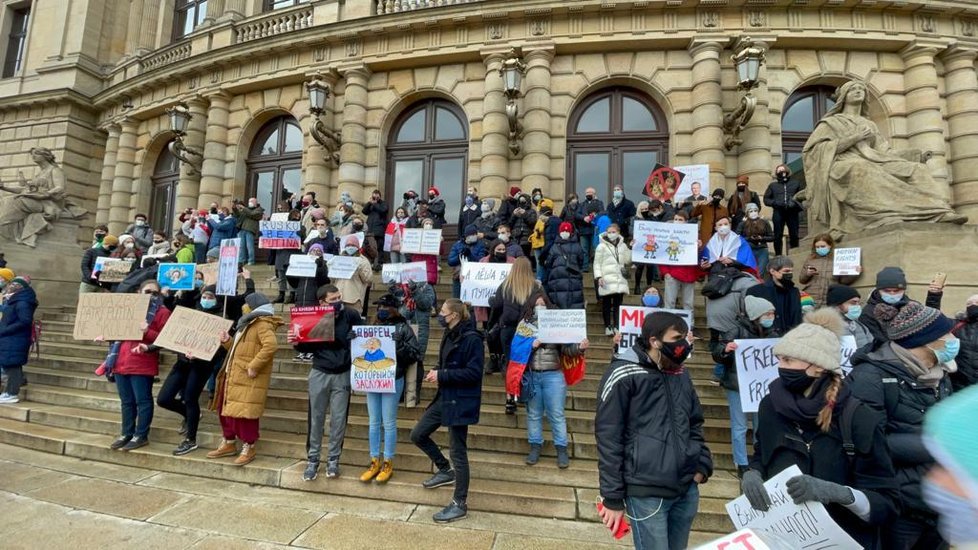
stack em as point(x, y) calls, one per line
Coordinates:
point(175, 52)
point(274, 23)
point(398, 6)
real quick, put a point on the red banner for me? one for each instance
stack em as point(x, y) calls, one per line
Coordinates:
point(312, 324)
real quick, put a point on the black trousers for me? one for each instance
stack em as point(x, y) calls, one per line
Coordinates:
point(651, 272)
point(912, 534)
point(429, 422)
point(785, 217)
point(609, 309)
point(188, 380)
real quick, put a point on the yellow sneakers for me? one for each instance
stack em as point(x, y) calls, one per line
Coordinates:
point(386, 471)
point(372, 471)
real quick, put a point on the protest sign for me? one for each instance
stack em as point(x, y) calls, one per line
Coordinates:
point(662, 183)
point(276, 235)
point(374, 359)
point(480, 281)
point(115, 270)
point(745, 539)
point(404, 273)
point(805, 526)
point(693, 173)
point(630, 319)
point(100, 265)
point(111, 316)
point(312, 324)
point(208, 272)
point(192, 332)
point(343, 267)
point(846, 261)
point(562, 326)
point(848, 350)
point(176, 276)
point(227, 270)
point(421, 241)
point(279, 217)
point(664, 243)
point(301, 265)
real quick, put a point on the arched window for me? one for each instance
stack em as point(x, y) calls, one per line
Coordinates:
point(616, 136)
point(801, 113)
point(166, 177)
point(275, 162)
point(429, 146)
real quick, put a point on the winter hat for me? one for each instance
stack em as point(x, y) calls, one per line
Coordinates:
point(891, 277)
point(914, 324)
point(565, 226)
point(352, 240)
point(755, 307)
point(214, 253)
point(123, 238)
point(388, 300)
point(751, 207)
point(718, 193)
point(513, 191)
point(317, 214)
point(949, 436)
point(470, 230)
point(546, 203)
point(110, 240)
point(743, 179)
point(7, 274)
point(435, 189)
point(23, 281)
point(816, 340)
point(202, 213)
point(490, 202)
point(256, 299)
point(840, 294)
point(807, 302)
point(317, 246)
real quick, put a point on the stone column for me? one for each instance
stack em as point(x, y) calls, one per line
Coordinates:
point(147, 27)
point(316, 176)
point(235, 9)
point(925, 124)
point(108, 174)
point(754, 154)
point(134, 28)
point(961, 101)
point(189, 187)
point(211, 188)
point(353, 152)
point(215, 10)
point(495, 130)
point(707, 110)
point(536, 120)
point(122, 178)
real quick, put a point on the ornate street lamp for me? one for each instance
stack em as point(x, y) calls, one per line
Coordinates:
point(512, 72)
point(748, 60)
point(179, 122)
point(329, 139)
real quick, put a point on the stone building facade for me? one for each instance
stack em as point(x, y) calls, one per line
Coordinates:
point(610, 88)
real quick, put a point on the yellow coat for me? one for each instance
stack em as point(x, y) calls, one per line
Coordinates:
point(537, 237)
point(253, 347)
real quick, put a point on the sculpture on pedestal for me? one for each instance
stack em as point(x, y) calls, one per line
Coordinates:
point(30, 207)
point(857, 182)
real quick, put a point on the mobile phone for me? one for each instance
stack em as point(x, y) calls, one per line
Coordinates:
point(623, 528)
point(940, 279)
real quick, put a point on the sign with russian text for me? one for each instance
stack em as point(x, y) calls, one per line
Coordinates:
point(374, 368)
point(227, 267)
point(343, 267)
point(846, 261)
point(193, 333)
point(421, 241)
point(301, 265)
point(279, 234)
point(312, 324)
point(115, 270)
point(630, 319)
point(110, 316)
point(404, 273)
point(481, 280)
point(561, 326)
point(664, 243)
point(176, 276)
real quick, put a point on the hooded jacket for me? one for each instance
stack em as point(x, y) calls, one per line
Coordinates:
point(143, 364)
point(611, 261)
point(17, 327)
point(460, 361)
point(252, 347)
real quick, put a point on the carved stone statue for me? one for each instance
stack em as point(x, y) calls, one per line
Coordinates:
point(857, 182)
point(33, 205)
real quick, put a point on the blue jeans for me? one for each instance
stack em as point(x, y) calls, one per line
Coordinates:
point(247, 247)
point(662, 523)
point(200, 253)
point(738, 428)
point(761, 256)
point(136, 396)
point(382, 410)
point(549, 392)
point(586, 247)
point(541, 272)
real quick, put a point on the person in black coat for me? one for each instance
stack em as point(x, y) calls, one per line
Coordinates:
point(376, 211)
point(565, 263)
point(891, 289)
point(436, 208)
point(781, 291)
point(901, 379)
point(103, 248)
point(621, 211)
point(306, 288)
point(471, 208)
point(16, 333)
point(739, 199)
point(522, 221)
point(780, 197)
point(966, 330)
point(456, 405)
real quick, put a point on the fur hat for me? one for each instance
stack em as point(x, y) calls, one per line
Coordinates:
point(914, 324)
point(840, 294)
point(816, 340)
point(755, 307)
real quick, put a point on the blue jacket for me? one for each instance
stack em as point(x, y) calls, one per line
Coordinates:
point(460, 362)
point(16, 328)
point(600, 226)
point(471, 252)
point(224, 229)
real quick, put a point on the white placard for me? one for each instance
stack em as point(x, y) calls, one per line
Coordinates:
point(301, 265)
point(431, 242)
point(745, 539)
point(421, 241)
point(227, 270)
point(665, 243)
point(562, 326)
point(630, 319)
point(343, 267)
point(404, 273)
point(279, 217)
point(693, 173)
point(847, 261)
point(481, 280)
point(805, 526)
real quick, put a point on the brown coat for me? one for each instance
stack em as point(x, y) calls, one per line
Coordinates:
point(708, 215)
point(255, 348)
point(817, 286)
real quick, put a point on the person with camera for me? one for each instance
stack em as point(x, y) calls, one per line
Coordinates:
point(780, 197)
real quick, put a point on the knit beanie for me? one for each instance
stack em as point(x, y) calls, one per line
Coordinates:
point(565, 226)
point(7, 274)
point(23, 281)
point(816, 340)
point(755, 307)
point(470, 230)
point(317, 246)
point(949, 435)
point(891, 277)
point(807, 302)
point(751, 207)
point(914, 324)
point(840, 294)
point(256, 299)
point(214, 253)
point(110, 240)
point(513, 191)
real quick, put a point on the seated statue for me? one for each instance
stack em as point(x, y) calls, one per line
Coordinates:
point(857, 182)
point(32, 205)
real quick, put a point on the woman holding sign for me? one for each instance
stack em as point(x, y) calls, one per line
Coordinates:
point(612, 259)
point(810, 420)
point(816, 274)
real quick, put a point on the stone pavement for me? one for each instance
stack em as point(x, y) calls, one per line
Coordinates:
point(51, 501)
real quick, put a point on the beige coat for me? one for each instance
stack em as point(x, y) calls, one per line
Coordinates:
point(252, 347)
point(354, 288)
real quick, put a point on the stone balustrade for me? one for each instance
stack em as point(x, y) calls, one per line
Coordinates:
point(273, 23)
point(170, 54)
point(398, 6)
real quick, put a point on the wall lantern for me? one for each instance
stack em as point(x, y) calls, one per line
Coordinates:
point(512, 72)
point(748, 59)
point(179, 122)
point(330, 140)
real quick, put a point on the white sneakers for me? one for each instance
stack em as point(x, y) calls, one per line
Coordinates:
point(6, 398)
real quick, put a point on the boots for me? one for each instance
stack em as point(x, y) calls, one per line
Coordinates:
point(563, 461)
point(386, 471)
point(510, 405)
point(372, 471)
point(227, 448)
point(291, 299)
point(534, 455)
point(280, 299)
point(247, 455)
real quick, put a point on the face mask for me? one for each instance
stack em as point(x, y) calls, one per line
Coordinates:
point(677, 352)
point(501, 256)
point(3, 284)
point(823, 251)
point(537, 198)
point(716, 201)
point(140, 223)
point(723, 230)
point(130, 245)
point(99, 237)
point(524, 202)
point(504, 237)
point(952, 523)
point(472, 239)
point(358, 227)
point(304, 203)
point(350, 250)
point(589, 197)
point(767, 323)
point(208, 304)
point(573, 204)
point(337, 306)
point(971, 312)
point(612, 237)
point(198, 283)
point(469, 201)
point(782, 177)
point(643, 213)
point(650, 300)
point(753, 215)
point(564, 235)
point(431, 196)
point(892, 299)
point(795, 381)
point(741, 188)
point(252, 204)
point(618, 195)
point(950, 351)
point(854, 312)
point(383, 314)
point(442, 321)
point(787, 278)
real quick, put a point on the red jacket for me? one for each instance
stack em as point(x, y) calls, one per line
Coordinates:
point(682, 273)
point(145, 364)
point(431, 263)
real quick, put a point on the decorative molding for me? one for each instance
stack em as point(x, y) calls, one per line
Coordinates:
point(757, 18)
point(575, 24)
point(710, 19)
point(606, 23)
point(925, 22)
point(967, 27)
point(353, 46)
point(496, 30)
point(319, 53)
point(538, 26)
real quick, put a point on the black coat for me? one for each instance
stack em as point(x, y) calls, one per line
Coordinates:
point(334, 357)
point(782, 442)
point(468, 216)
point(967, 358)
point(868, 316)
point(522, 225)
point(436, 211)
point(880, 380)
point(460, 362)
point(787, 304)
point(307, 287)
point(745, 329)
point(590, 208)
point(376, 217)
point(623, 213)
point(782, 195)
point(16, 327)
point(565, 265)
point(406, 343)
point(741, 214)
point(88, 263)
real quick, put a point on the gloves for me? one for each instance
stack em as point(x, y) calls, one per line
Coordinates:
point(805, 488)
point(752, 484)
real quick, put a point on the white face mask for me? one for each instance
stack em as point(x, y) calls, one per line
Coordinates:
point(252, 204)
point(350, 250)
point(613, 236)
point(564, 235)
point(753, 215)
point(723, 230)
point(504, 237)
point(428, 226)
point(140, 223)
point(130, 245)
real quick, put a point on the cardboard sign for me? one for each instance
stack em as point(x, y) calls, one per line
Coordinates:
point(208, 272)
point(846, 261)
point(804, 526)
point(745, 539)
point(227, 267)
point(421, 241)
point(277, 235)
point(630, 319)
point(176, 276)
point(343, 267)
point(100, 265)
point(693, 173)
point(663, 183)
point(404, 273)
point(374, 368)
point(193, 332)
point(111, 316)
point(115, 270)
point(481, 280)
point(665, 243)
point(562, 326)
point(301, 266)
point(312, 324)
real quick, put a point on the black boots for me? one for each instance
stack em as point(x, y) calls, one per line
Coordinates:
point(280, 299)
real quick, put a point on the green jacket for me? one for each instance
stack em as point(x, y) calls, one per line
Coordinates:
point(186, 254)
point(248, 218)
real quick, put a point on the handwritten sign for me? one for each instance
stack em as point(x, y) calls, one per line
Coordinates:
point(227, 267)
point(100, 265)
point(312, 324)
point(279, 234)
point(208, 272)
point(630, 319)
point(301, 266)
point(176, 276)
point(115, 270)
point(804, 526)
point(374, 366)
point(481, 280)
point(194, 333)
point(745, 539)
point(562, 326)
point(404, 273)
point(111, 316)
point(693, 173)
point(664, 243)
point(343, 267)
point(846, 261)
point(421, 241)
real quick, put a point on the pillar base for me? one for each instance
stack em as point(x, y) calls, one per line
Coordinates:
point(53, 265)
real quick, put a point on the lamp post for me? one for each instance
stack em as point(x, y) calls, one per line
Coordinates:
point(748, 59)
point(330, 140)
point(179, 122)
point(512, 72)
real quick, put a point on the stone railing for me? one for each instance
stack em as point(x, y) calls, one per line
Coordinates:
point(170, 54)
point(274, 23)
point(398, 6)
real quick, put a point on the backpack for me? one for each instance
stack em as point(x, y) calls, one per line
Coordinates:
point(720, 282)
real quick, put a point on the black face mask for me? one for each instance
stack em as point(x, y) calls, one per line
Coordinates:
point(716, 201)
point(676, 352)
point(500, 256)
point(795, 381)
point(214, 210)
point(589, 197)
point(972, 312)
point(788, 279)
point(782, 177)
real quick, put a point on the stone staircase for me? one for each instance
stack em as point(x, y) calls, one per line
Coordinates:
point(68, 410)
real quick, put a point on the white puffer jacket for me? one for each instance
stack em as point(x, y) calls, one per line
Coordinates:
point(609, 260)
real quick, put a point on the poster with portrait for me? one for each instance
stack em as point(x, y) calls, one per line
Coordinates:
point(694, 174)
point(176, 276)
point(374, 368)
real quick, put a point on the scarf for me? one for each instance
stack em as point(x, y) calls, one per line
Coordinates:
point(260, 311)
point(929, 377)
point(804, 408)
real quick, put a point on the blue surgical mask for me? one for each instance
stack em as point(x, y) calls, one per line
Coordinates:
point(383, 314)
point(350, 250)
point(854, 312)
point(208, 304)
point(618, 195)
point(767, 323)
point(892, 299)
point(650, 300)
point(198, 283)
point(823, 251)
point(953, 522)
point(951, 348)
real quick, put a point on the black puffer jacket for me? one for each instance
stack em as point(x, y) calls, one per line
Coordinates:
point(718, 344)
point(782, 195)
point(878, 329)
point(565, 283)
point(967, 358)
point(649, 430)
point(880, 380)
point(460, 361)
point(406, 343)
point(522, 224)
point(376, 217)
